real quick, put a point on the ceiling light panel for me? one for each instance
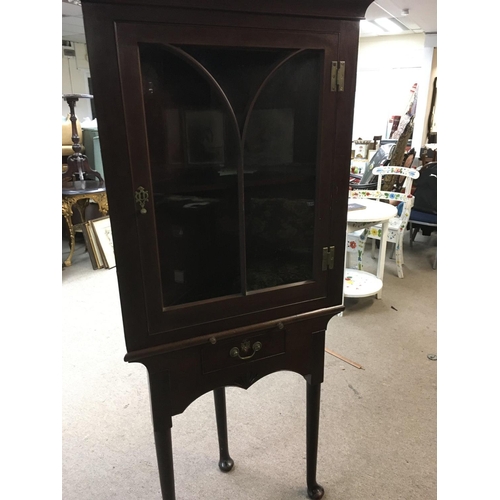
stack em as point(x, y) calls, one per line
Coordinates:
point(388, 25)
point(368, 28)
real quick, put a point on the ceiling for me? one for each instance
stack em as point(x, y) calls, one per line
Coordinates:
point(421, 18)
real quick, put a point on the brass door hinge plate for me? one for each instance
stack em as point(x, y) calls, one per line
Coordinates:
point(341, 76)
point(333, 76)
point(328, 258)
point(337, 77)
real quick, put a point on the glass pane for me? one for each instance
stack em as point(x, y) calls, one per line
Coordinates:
point(239, 71)
point(280, 159)
point(194, 150)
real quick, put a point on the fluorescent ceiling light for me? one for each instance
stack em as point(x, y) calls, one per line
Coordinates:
point(388, 25)
point(369, 28)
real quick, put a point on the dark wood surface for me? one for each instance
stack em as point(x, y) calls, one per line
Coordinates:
point(350, 9)
point(189, 348)
point(332, 188)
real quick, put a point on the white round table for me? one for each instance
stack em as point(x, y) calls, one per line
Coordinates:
point(361, 283)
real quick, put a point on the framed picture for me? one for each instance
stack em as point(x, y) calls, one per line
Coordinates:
point(205, 137)
point(270, 137)
point(92, 247)
point(102, 230)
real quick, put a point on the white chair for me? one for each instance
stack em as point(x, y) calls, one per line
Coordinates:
point(356, 241)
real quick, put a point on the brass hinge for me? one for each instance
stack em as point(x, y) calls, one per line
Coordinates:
point(328, 258)
point(337, 76)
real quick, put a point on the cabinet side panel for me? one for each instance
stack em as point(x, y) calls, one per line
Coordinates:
point(348, 52)
point(103, 62)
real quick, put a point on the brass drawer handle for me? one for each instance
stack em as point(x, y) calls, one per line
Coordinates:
point(245, 347)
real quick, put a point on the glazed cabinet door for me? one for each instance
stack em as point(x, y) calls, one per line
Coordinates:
point(230, 134)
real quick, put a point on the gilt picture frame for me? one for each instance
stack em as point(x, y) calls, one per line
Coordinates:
point(104, 238)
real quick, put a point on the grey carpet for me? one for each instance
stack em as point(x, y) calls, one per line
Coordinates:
point(377, 427)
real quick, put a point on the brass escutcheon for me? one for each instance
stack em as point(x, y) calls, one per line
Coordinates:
point(141, 197)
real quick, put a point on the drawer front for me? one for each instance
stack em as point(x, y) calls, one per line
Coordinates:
point(243, 349)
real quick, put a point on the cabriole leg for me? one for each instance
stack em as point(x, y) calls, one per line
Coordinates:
point(226, 463)
point(163, 441)
point(162, 425)
point(67, 214)
point(314, 490)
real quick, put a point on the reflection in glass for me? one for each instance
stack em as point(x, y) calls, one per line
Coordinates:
point(192, 142)
point(213, 115)
point(280, 151)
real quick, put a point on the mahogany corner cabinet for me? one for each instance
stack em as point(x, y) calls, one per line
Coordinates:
point(225, 132)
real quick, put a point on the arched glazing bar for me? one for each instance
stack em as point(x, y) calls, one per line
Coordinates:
point(196, 201)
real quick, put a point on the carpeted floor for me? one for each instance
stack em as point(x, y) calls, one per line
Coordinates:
point(377, 427)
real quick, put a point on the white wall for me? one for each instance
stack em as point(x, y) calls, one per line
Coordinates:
point(75, 74)
point(387, 69)
point(428, 73)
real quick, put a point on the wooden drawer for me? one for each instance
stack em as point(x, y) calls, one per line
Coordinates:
point(243, 349)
